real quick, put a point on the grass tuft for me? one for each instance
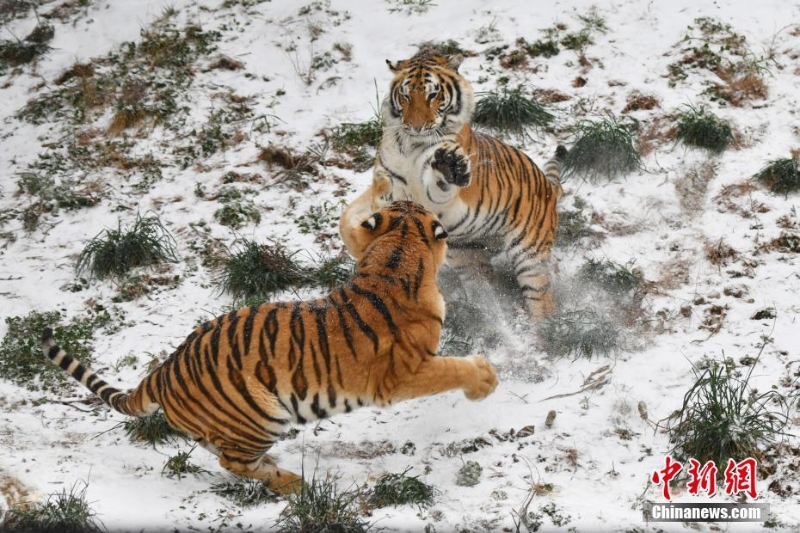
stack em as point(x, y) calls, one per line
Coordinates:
point(112, 253)
point(574, 226)
point(245, 492)
point(178, 465)
point(700, 128)
point(320, 506)
point(723, 417)
point(258, 271)
point(511, 112)
point(612, 277)
point(15, 52)
point(332, 271)
point(401, 489)
point(61, 512)
point(358, 140)
point(781, 176)
point(580, 333)
point(238, 213)
point(21, 358)
point(603, 149)
point(469, 474)
point(153, 429)
point(449, 47)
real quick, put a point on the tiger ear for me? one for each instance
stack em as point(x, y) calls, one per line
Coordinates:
point(372, 222)
point(455, 61)
point(394, 67)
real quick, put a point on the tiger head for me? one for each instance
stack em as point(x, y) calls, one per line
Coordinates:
point(404, 226)
point(428, 96)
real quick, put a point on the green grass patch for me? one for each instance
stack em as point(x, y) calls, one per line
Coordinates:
point(401, 489)
point(577, 41)
point(411, 7)
point(722, 417)
point(612, 277)
point(712, 46)
point(153, 429)
point(579, 333)
point(602, 150)
point(238, 213)
point(21, 359)
point(257, 271)
point(245, 492)
point(358, 140)
point(469, 474)
point(178, 465)
point(702, 129)
point(61, 512)
point(541, 47)
point(321, 506)
point(114, 252)
point(14, 53)
point(449, 47)
point(781, 176)
point(511, 112)
point(319, 218)
point(332, 271)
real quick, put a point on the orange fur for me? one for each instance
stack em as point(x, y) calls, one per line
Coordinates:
point(237, 381)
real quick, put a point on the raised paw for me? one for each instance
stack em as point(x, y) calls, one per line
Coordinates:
point(453, 164)
point(485, 379)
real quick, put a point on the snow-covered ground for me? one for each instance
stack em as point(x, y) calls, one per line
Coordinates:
point(596, 459)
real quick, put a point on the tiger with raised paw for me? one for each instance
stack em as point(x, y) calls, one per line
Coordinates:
point(238, 381)
point(491, 197)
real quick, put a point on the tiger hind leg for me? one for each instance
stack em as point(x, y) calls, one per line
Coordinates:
point(533, 277)
point(262, 468)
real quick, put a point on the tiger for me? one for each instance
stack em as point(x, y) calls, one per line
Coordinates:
point(236, 382)
point(491, 197)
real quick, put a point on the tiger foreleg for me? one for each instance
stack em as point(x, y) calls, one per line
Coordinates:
point(474, 375)
point(262, 468)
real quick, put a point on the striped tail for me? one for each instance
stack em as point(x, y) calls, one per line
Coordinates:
point(120, 401)
point(554, 166)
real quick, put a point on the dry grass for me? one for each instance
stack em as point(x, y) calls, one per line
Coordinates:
point(223, 62)
point(720, 253)
point(77, 70)
point(674, 273)
point(640, 102)
point(551, 96)
point(655, 133)
point(291, 166)
point(125, 119)
point(737, 198)
point(713, 318)
point(740, 90)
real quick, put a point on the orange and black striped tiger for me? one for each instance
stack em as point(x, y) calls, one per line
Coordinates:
point(238, 381)
point(490, 196)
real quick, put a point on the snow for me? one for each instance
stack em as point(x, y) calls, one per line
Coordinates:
point(48, 446)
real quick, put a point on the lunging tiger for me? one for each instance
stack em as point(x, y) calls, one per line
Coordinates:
point(490, 196)
point(237, 381)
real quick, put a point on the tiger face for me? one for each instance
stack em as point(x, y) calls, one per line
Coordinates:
point(404, 223)
point(428, 96)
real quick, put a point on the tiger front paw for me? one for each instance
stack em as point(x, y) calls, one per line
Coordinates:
point(453, 164)
point(485, 379)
